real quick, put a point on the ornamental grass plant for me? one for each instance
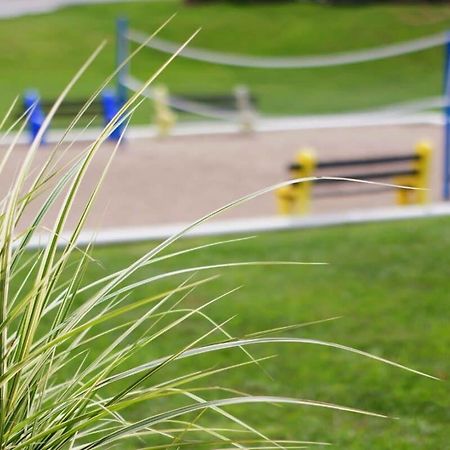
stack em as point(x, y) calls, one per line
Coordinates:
point(52, 320)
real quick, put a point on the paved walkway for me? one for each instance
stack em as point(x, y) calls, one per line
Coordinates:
point(14, 8)
point(262, 125)
point(178, 179)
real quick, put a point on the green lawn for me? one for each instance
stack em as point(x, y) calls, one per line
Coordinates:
point(390, 284)
point(44, 51)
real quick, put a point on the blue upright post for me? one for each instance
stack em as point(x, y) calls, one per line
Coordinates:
point(447, 120)
point(111, 106)
point(36, 117)
point(121, 56)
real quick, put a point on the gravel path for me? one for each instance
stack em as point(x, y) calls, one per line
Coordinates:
point(14, 8)
point(177, 179)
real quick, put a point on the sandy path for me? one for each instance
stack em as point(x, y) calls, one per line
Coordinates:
point(180, 178)
point(14, 8)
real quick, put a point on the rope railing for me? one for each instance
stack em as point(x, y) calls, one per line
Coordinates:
point(207, 111)
point(419, 105)
point(294, 62)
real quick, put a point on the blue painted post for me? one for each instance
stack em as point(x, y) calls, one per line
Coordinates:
point(121, 56)
point(446, 192)
point(111, 106)
point(36, 117)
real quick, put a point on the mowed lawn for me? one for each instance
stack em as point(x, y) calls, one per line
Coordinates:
point(389, 284)
point(44, 51)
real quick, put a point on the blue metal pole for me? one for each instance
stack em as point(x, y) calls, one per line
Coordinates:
point(110, 108)
point(36, 116)
point(446, 192)
point(121, 56)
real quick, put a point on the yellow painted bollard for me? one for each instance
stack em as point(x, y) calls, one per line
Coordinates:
point(164, 117)
point(285, 200)
point(304, 168)
point(423, 166)
point(420, 180)
point(406, 196)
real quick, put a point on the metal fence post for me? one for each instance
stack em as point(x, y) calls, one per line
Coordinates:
point(446, 191)
point(111, 107)
point(36, 116)
point(121, 56)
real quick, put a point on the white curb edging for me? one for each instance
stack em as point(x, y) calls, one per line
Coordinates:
point(248, 226)
point(262, 125)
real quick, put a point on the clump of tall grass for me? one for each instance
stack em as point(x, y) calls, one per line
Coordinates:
point(51, 318)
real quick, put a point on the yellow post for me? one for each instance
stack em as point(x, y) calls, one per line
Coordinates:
point(420, 181)
point(164, 117)
point(306, 162)
point(406, 196)
point(285, 199)
point(423, 166)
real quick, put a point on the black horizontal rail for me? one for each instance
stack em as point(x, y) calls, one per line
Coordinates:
point(353, 192)
point(364, 177)
point(370, 161)
point(225, 101)
point(75, 103)
point(73, 108)
point(371, 176)
point(62, 112)
point(360, 162)
point(214, 98)
point(70, 108)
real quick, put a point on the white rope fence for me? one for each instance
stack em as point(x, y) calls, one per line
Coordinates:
point(414, 106)
point(417, 105)
point(390, 111)
point(300, 62)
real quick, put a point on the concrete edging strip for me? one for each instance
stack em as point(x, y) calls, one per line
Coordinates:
point(249, 226)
